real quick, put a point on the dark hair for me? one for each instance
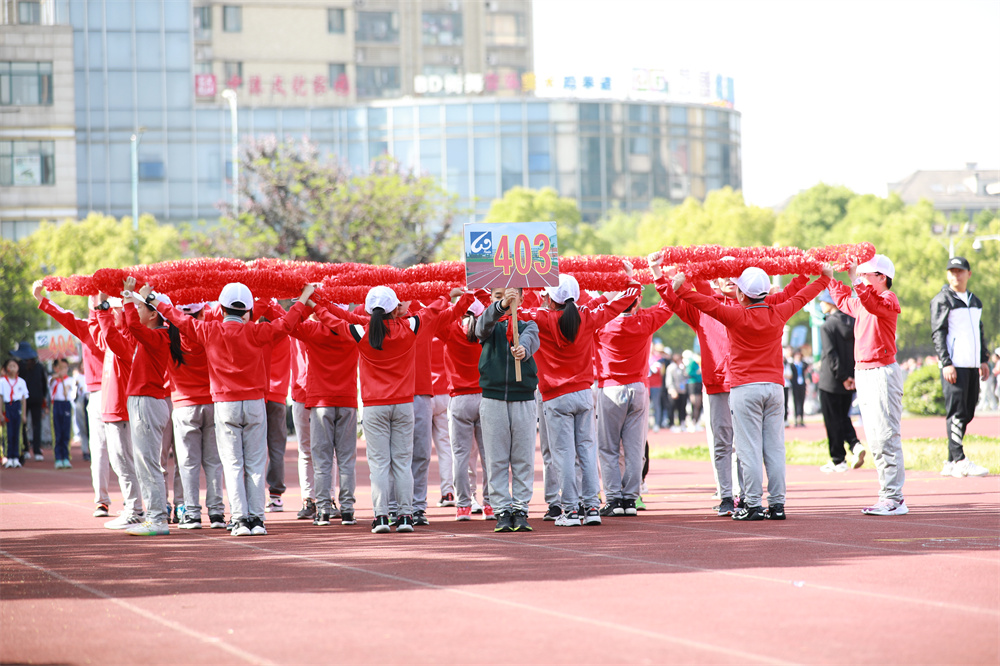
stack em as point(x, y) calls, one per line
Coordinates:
point(9, 359)
point(234, 312)
point(888, 282)
point(755, 301)
point(569, 320)
point(377, 330)
point(58, 361)
point(470, 333)
point(176, 351)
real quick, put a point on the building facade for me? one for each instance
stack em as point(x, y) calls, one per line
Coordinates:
point(446, 87)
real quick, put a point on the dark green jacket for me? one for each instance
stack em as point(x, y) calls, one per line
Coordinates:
point(496, 363)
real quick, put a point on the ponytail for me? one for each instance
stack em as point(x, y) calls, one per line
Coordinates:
point(377, 330)
point(569, 320)
point(176, 351)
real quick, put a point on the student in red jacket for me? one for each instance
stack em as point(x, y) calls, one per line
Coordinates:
point(118, 351)
point(623, 402)
point(877, 376)
point(566, 372)
point(238, 383)
point(193, 420)
point(757, 377)
point(93, 361)
point(386, 345)
point(331, 401)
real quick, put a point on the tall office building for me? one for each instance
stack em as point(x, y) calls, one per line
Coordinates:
point(446, 86)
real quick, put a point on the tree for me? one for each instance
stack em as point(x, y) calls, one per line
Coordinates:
point(522, 204)
point(811, 214)
point(19, 313)
point(299, 207)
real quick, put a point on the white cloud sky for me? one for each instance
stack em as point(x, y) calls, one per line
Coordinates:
point(852, 92)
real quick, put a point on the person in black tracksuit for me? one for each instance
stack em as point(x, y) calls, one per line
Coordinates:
point(836, 386)
point(957, 330)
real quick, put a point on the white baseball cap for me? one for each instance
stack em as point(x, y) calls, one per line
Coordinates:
point(381, 297)
point(568, 288)
point(754, 282)
point(476, 308)
point(878, 264)
point(236, 296)
point(191, 308)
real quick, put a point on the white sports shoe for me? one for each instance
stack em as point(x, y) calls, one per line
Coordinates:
point(124, 521)
point(858, 455)
point(966, 467)
point(948, 468)
point(886, 507)
point(832, 467)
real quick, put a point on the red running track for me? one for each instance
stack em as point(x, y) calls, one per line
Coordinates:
point(674, 585)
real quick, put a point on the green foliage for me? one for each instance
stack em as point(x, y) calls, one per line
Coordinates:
point(521, 204)
point(922, 392)
point(809, 216)
point(19, 313)
point(297, 206)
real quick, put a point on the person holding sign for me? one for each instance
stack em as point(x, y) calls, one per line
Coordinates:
point(507, 407)
point(566, 364)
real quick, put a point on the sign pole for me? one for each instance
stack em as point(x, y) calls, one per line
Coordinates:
point(517, 342)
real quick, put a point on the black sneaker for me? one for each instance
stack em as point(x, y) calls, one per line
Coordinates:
point(521, 521)
point(775, 512)
point(216, 521)
point(629, 507)
point(505, 522)
point(726, 507)
point(308, 510)
point(447, 499)
point(553, 513)
point(591, 516)
point(322, 518)
point(749, 513)
point(380, 525)
point(613, 508)
point(189, 522)
point(404, 523)
point(347, 518)
point(420, 518)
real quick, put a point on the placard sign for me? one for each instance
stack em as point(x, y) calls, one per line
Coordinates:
point(522, 254)
point(57, 343)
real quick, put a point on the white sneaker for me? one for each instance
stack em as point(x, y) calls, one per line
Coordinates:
point(274, 504)
point(568, 519)
point(966, 467)
point(476, 507)
point(948, 468)
point(148, 528)
point(125, 520)
point(832, 467)
point(886, 507)
point(242, 528)
point(643, 488)
point(858, 452)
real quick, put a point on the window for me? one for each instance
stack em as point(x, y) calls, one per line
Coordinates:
point(27, 163)
point(232, 74)
point(506, 30)
point(378, 81)
point(232, 18)
point(378, 27)
point(202, 23)
point(29, 13)
point(151, 170)
point(25, 83)
point(338, 78)
point(335, 21)
point(442, 29)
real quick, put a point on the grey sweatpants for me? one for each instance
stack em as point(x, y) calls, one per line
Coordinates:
point(100, 467)
point(466, 430)
point(171, 479)
point(119, 438)
point(241, 433)
point(277, 440)
point(622, 425)
point(194, 439)
point(148, 418)
point(389, 437)
point(570, 423)
point(550, 473)
point(442, 443)
point(509, 442)
point(423, 422)
point(759, 424)
point(334, 433)
point(880, 399)
point(301, 418)
point(719, 420)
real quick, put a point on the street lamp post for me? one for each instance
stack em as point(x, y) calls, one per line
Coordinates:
point(230, 96)
point(977, 243)
point(135, 187)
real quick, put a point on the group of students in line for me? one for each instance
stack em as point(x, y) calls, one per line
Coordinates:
point(569, 366)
